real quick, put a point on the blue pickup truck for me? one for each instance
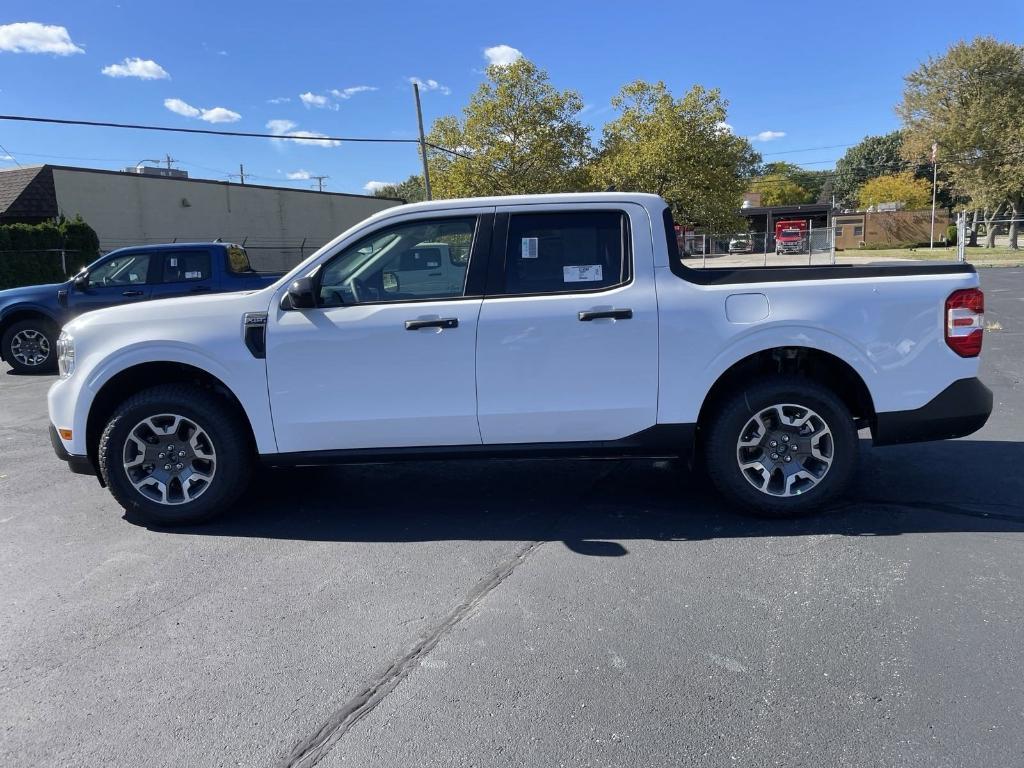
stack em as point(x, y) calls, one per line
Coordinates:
point(31, 317)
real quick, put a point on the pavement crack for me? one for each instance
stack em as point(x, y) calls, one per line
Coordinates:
point(313, 749)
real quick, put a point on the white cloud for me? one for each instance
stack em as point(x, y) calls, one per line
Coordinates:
point(502, 55)
point(430, 85)
point(214, 115)
point(6, 158)
point(299, 175)
point(376, 186)
point(179, 107)
point(286, 130)
point(768, 136)
point(279, 100)
point(220, 115)
point(310, 99)
point(724, 127)
point(144, 69)
point(33, 37)
point(348, 93)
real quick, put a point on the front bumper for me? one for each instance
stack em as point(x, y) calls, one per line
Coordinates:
point(960, 409)
point(80, 465)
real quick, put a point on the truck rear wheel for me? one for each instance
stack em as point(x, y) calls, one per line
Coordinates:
point(30, 346)
point(175, 454)
point(783, 448)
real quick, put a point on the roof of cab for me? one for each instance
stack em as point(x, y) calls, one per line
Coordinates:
point(641, 198)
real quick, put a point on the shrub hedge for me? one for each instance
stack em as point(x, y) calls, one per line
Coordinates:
point(31, 253)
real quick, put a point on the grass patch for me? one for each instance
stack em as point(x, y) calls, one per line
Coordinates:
point(1003, 257)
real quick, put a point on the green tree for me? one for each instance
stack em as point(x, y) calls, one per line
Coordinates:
point(779, 189)
point(873, 156)
point(679, 149)
point(970, 103)
point(411, 190)
point(812, 182)
point(914, 193)
point(518, 135)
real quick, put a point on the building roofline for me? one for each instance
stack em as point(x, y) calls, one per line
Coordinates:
point(216, 181)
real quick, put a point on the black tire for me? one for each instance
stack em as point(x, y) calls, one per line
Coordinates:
point(213, 414)
point(722, 446)
point(33, 326)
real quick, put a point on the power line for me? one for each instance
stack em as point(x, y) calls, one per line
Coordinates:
point(206, 131)
point(12, 157)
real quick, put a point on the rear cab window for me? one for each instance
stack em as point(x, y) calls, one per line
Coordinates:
point(566, 252)
point(238, 260)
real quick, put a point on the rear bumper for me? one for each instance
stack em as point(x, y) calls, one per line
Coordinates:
point(80, 465)
point(960, 409)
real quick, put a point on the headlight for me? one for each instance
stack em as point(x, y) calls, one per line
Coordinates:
point(65, 354)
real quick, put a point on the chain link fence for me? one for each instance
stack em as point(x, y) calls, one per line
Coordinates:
point(812, 246)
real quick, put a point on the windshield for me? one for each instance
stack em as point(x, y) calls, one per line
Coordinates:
point(791, 233)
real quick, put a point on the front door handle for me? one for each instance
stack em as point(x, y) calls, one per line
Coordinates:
point(132, 293)
point(201, 289)
point(600, 314)
point(444, 322)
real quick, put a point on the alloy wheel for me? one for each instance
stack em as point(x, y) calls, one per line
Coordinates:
point(785, 450)
point(30, 347)
point(169, 459)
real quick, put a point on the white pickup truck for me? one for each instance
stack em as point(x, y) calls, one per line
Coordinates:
point(560, 325)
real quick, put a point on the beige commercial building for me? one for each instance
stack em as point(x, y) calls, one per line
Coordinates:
point(887, 228)
point(278, 226)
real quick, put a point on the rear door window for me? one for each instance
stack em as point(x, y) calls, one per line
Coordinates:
point(569, 252)
point(186, 266)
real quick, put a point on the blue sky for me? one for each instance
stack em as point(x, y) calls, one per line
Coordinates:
point(812, 75)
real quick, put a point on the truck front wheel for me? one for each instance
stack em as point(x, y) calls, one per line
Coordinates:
point(175, 454)
point(782, 448)
point(30, 346)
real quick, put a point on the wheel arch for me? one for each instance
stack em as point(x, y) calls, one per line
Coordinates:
point(141, 376)
point(815, 364)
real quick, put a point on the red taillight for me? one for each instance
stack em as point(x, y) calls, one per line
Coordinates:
point(965, 321)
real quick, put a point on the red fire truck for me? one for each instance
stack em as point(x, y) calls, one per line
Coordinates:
point(791, 236)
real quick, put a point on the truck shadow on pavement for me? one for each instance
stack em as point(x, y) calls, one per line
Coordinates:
point(596, 508)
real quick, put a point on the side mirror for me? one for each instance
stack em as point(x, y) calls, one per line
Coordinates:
point(391, 282)
point(302, 293)
point(82, 281)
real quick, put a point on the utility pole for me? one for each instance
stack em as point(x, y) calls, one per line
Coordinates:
point(169, 161)
point(320, 182)
point(241, 173)
point(423, 141)
point(935, 178)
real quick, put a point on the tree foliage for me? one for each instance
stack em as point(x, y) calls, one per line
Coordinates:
point(873, 156)
point(914, 193)
point(813, 183)
point(680, 149)
point(518, 135)
point(779, 189)
point(411, 190)
point(970, 102)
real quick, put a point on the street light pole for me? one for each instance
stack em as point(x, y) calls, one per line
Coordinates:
point(423, 141)
point(935, 178)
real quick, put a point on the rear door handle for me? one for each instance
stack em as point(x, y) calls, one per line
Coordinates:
point(600, 314)
point(132, 293)
point(444, 322)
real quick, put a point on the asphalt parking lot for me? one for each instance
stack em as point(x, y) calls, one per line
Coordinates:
point(523, 613)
